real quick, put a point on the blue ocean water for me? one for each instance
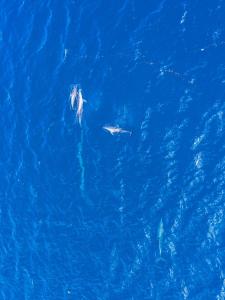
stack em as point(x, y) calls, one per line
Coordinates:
point(88, 215)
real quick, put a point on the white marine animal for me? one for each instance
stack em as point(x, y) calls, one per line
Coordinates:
point(160, 236)
point(80, 103)
point(115, 130)
point(73, 96)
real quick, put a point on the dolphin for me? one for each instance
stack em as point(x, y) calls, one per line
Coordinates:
point(73, 96)
point(80, 103)
point(115, 130)
point(160, 236)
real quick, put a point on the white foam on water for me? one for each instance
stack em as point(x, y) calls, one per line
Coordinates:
point(221, 295)
point(198, 160)
point(184, 290)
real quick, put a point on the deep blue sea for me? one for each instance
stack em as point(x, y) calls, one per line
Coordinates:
point(86, 215)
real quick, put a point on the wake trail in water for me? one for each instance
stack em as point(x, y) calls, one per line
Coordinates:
point(81, 164)
point(80, 157)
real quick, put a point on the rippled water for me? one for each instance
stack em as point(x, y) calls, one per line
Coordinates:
point(88, 215)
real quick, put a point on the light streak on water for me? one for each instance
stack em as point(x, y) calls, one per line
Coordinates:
point(81, 164)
